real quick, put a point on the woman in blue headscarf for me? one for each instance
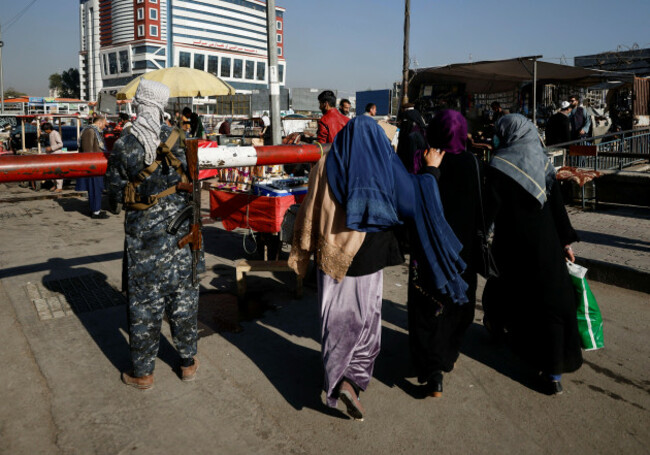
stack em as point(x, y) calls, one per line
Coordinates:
point(532, 301)
point(357, 194)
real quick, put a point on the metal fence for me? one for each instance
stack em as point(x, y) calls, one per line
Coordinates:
point(618, 150)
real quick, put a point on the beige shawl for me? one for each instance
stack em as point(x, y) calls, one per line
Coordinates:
point(320, 228)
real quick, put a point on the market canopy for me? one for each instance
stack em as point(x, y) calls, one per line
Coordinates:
point(505, 75)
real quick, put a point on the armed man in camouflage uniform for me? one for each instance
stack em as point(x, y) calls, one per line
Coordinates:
point(159, 273)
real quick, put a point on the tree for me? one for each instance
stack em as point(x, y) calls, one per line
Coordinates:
point(56, 82)
point(70, 85)
point(13, 93)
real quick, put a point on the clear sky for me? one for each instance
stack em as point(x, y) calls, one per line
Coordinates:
point(357, 44)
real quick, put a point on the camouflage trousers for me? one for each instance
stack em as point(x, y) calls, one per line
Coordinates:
point(145, 321)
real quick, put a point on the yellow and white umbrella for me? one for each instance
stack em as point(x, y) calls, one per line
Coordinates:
point(182, 82)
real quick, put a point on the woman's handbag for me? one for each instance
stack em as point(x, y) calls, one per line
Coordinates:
point(485, 264)
point(590, 321)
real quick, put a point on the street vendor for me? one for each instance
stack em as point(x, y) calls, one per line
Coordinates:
point(143, 170)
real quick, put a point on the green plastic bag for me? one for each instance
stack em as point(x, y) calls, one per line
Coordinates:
point(590, 321)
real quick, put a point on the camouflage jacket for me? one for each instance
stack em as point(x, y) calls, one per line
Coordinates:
point(154, 261)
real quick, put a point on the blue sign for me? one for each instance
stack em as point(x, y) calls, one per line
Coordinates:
point(379, 97)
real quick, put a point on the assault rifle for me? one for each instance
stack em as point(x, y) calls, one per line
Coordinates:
point(193, 238)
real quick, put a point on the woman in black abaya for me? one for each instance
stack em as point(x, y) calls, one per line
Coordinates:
point(533, 301)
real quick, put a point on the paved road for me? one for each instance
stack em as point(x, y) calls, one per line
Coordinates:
point(258, 390)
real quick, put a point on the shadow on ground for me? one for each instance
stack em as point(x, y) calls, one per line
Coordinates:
point(260, 326)
point(108, 327)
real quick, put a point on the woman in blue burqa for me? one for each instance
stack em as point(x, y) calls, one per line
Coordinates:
point(532, 302)
point(357, 194)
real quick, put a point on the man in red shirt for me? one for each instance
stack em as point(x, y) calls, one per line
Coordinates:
point(332, 120)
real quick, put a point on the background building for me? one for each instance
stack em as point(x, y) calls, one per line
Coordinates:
point(122, 39)
point(635, 61)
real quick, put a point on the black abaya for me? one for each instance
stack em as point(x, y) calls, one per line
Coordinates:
point(533, 298)
point(435, 332)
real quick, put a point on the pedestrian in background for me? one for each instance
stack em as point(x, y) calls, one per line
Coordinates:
point(92, 141)
point(125, 123)
point(411, 138)
point(332, 120)
point(344, 107)
point(558, 127)
point(580, 119)
point(56, 145)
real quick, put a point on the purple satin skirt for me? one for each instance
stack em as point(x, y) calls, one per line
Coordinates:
point(350, 328)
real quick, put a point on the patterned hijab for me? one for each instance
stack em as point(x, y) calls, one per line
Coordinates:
point(149, 102)
point(521, 157)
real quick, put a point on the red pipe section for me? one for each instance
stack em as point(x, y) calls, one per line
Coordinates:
point(19, 168)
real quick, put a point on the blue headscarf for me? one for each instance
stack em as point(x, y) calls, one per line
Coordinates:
point(521, 157)
point(368, 179)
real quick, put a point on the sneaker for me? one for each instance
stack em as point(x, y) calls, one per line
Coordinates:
point(189, 373)
point(350, 398)
point(99, 216)
point(141, 383)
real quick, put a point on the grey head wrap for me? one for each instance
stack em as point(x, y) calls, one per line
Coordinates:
point(149, 102)
point(521, 156)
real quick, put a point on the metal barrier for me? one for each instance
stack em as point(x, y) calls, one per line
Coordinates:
point(613, 150)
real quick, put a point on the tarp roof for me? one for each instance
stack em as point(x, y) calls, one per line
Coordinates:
point(505, 75)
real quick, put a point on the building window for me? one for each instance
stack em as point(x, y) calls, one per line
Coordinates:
point(153, 30)
point(199, 62)
point(153, 14)
point(213, 64)
point(184, 59)
point(140, 30)
point(261, 71)
point(105, 65)
point(140, 1)
point(153, 1)
point(278, 25)
point(225, 66)
point(238, 68)
point(112, 63)
point(140, 14)
point(279, 37)
point(125, 66)
point(279, 51)
point(281, 74)
point(250, 70)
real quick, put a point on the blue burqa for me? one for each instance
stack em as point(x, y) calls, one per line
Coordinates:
point(369, 180)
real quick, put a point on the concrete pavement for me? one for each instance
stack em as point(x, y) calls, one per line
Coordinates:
point(258, 390)
point(615, 244)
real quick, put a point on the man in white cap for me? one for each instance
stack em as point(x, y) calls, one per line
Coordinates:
point(143, 171)
point(558, 127)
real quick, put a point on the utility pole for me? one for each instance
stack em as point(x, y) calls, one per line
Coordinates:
point(274, 86)
point(2, 86)
point(405, 64)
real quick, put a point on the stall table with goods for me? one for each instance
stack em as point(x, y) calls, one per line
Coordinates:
point(256, 199)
